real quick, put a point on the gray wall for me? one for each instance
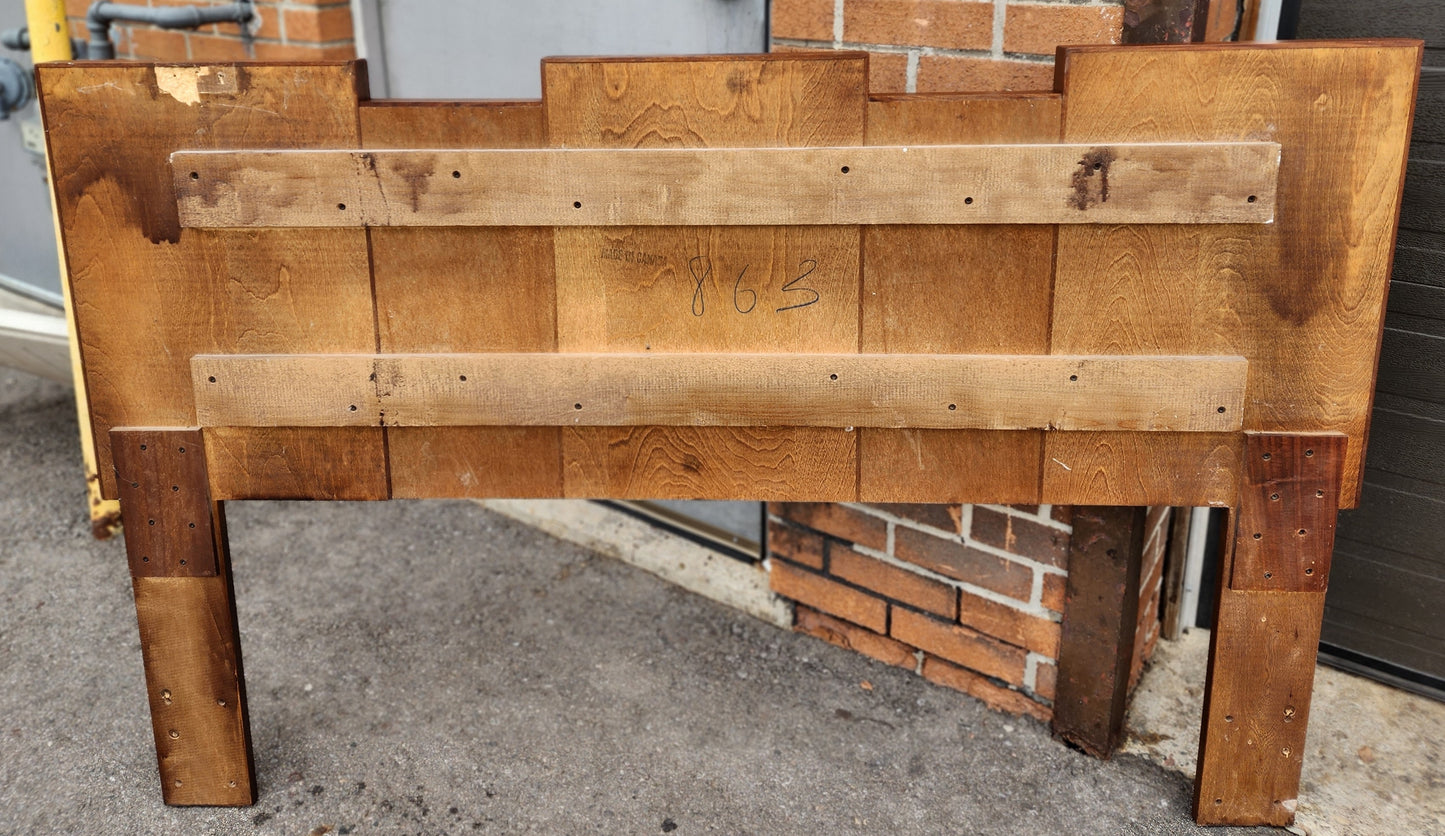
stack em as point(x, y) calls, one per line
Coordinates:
point(27, 237)
point(446, 49)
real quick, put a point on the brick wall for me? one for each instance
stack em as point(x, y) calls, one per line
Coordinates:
point(949, 45)
point(293, 30)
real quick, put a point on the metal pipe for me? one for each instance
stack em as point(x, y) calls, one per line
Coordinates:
point(102, 14)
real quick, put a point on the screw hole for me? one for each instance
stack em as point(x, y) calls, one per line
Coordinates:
point(1309, 571)
point(195, 175)
point(844, 169)
point(1274, 497)
point(341, 206)
point(175, 488)
point(577, 204)
point(457, 175)
point(1301, 532)
point(1257, 535)
point(145, 559)
point(1319, 493)
point(1267, 456)
point(152, 522)
point(175, 735)
point(1268, 575)
point(576, 406)
point(352, 408)
point(832, 377)
point(462, 378)
point(1098, 166)
point(211, 379)
point(182, 449)
point(222, 703)
point(191, 525)
point(1251, 198)
point(1220, 410)
point(1073, 378)
point(1309, 453)
point(1218, 801)
point(135, 484)
point(183, 561)
point(1229, 718)
point(953, 406)
point(142, 446)
point(231, 784)
point(968, 201)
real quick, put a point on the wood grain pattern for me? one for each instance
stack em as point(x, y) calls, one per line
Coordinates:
point(1256, 708)
point(1196, 394)
point(296, 463)
point(112, 127)
point(943, 184)
point(1128, 468)
point(166, 502)
point(960, 290)
point(1287, 507)
point(1302, 298)
point(446, 289)
point(633, 288)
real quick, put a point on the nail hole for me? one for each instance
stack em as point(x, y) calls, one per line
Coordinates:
point(845, 169)
point(577, 204)
point(1229, 718)
point(152, 522)
point(182, 449)
point(463, 377)
point(832, 377)
point(1267, 456)
point(1112, 553)
point(341, 206)
point(576, 406)
point(175, 488)
point(968, 201)
point(1221, 410)
point(457, 175)
point(1257, 535)
point(352, 408)
point(1218, 801)
point(183, 561)
point(142, 446)
point(1309, 571)
point(192, 525)
point(145, 559)
point(1301, 532)
point(953, 406)
point(195, 175)
point(211, 379)
point(1319, 493)
point(1274, 497)
point(135, 484)
point(1309, 453)
point(1268, 575)
point(1073, 378)
point(1098, 166)
point(221, 703)
point(1251, 198)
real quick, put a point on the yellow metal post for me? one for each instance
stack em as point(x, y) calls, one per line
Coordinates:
point(50, 41)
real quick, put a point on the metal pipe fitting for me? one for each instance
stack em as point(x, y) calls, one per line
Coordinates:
point(102, 14)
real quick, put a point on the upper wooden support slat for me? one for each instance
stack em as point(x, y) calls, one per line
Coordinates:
point(1219, 182)
point(809, 390)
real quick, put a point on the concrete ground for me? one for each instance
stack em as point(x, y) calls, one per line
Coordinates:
point(435, 667)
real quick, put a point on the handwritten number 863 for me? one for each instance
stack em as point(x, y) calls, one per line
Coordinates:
point(700, 268)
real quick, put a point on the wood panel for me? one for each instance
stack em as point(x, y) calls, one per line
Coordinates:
point(1287, 508)
point(166, 502)
point(956, 289)
point(296, 463)
point(1198, 394)
point(446, 289)
point(1261, 671)
point(638, 288)
point(1125, 468)
point(111, 127)
point(944, 184)
point(1303, 298)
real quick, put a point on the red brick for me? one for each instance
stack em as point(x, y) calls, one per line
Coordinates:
point(946, 517)
point(952, 24)
point(158, 45)
point(796, 544)
point(950, 557)
point(1017, 535)
point(304, 52)
point(893, 582)
point(959, 644)
point(217, 48)
point(1054, 586)
point(804, 20)
point(840, 521)
point(1040, 29)
point(270, 18)
point(1046, 679)
point(332, 23)
point(887, 72)
point(848, 636)
point(998, 698)
point(77, 8)
point(949, 73)
point(1012, 625)
point(829, 596)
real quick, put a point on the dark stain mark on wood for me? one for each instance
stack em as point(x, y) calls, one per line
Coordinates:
point(1095, 162)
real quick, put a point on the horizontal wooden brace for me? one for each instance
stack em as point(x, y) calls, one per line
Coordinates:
point(1220, 182)
point(997, 392)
